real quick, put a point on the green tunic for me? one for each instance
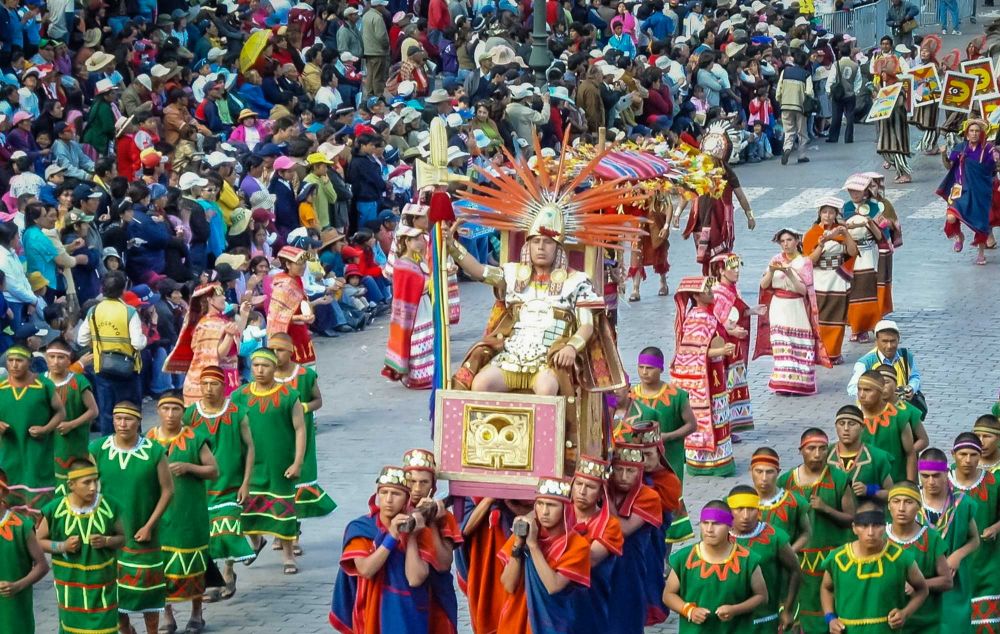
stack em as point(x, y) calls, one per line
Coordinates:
point(826, 535)
point(184, 529)
point(85, 581)
point(74, 444)
point(29, 462)
point(271, 507)
point(713, 585)
point(17, 613)
point(870, 466)
point(985, 562)
point(885, 432)
point(310, 498)
point(953, 526)
point(227, 540)
point(129, 479)
point(925, 547)
point(866, 589)
point(784, 511)
point(665, 408)
point(765, 541)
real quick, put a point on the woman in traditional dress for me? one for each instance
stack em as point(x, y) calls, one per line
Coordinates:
point(925, 117)
point(715, 584)
point(734, 315)
point(863, 310)
point(409, 355)
point(137, 481)
point(699, 368)
point(893, 143)
point(892, 239)
point(30, 411)
point(970, 188)
point(208, 337)
point(831, 248)
point(184, 531)
point(82, 531)
point(288, 308)
point(22, 565)
point(790, 331)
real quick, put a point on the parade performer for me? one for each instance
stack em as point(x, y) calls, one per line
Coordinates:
point(545, 570)
point(208, 337)
point(781, 508)
point(653, 248)
point(860, 212)
point(831, 507)
point(658, 474)
point(953, 513)
point(310, 498)
point(82, 531)
point(30, 415)
point(987, 427)
point(77, 396)
point(22, 565)
point(734, 315)
point(885, 428)
point(715, 585)
point(655, 400)
point(892, 239)
point(779, 564)
point(551, 334)
point(925, 116)
point(275, 416)
point(592, 508)
point(441, 537)
point(381, 585)
point(790, 330)
point(984, 489)
point(969, 188)
point(871, 582)
point(699, 368)
point(908, 413)
point(831, 248)
point(893, 142)
point(409, 353)
point(185, 527)
point(640, 514)
point(711, 219)
point(288, 308)
point(138, 483)
point(928, 550)
point(233, 448)
point(868, 467)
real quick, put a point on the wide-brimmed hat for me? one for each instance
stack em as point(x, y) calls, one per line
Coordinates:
point(328, 236)
point(246, 113)
point(92, 37)
point(98, 60)
point(104, 86)
point(122, 124)
point(239, 221)
point(439, 95)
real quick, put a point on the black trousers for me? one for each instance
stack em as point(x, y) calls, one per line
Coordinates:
point(841, 109)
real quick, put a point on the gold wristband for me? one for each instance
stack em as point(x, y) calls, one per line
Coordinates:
point(305, 408)
point(749, 213)
point(457, 252)
point(577, 342)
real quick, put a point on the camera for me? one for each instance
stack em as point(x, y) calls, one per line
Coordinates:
point(426, 508)
point(520, 528)
point(408, 526)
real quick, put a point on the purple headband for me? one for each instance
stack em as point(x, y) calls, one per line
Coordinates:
point(652, 361)
point(968, 444)
point(719, 516)
point(937, 466)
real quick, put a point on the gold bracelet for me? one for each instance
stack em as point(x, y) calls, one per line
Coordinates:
point(749, 213)
point(577, 342)
point(305, 408)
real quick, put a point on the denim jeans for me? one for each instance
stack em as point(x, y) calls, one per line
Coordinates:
point(109, 392)
point(198, 258)
point(160, 381)
point(377, 292)
point(945, 9)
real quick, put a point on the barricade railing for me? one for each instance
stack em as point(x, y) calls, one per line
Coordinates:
point(867, 22)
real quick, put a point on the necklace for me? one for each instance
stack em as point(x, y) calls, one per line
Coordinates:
point(904, 541)
point(774, 500)
point(755, 532)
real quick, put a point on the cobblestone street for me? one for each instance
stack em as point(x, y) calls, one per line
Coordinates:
point(945, 306)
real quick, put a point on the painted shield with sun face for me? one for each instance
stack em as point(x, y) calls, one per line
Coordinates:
point(959, 91)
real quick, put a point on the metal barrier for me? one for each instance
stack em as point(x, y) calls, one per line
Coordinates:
point(867, 23)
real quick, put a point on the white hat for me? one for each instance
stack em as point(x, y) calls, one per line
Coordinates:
point(379, 3)
point(455, 153)
point(662, 62)
point(98, 60)
point(454, 120)
point(886, 324)
point(146, 82)
point(409, 114)
point(159, 71)
point(218, 158)
point(616, 73)
point(520, 91)
point(502, 55)
point(733, 49)
point(18, 154)
point(391, 120)
point(350, 11)
point(190, 179)
point(215, 54)
point(121, 124)
point(348, 56)
point(53, 169)
point(757, 6)
point(406, 88)
point(801, 21)
point(902, 48)
point(103, 86)
point(439, 95)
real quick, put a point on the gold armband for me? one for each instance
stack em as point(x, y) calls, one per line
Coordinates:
point(457, 251)
point(492, 275)
point(577, 342)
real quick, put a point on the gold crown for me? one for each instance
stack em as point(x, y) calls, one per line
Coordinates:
point(650, 438)
point(392, 476)
point(631, 454)
point(419, 459)
point(553, 487)
point(593, 468)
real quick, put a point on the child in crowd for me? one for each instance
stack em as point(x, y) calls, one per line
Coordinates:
point(254, 338)
point(758, 148)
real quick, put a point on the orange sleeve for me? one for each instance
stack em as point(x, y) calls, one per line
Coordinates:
point(648, 507)
point(575, 561)
point(357, 548)
point(449, 528)
point(425, 544)
point(508, 548)
point(613, 539)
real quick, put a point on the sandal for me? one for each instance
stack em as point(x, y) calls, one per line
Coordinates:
point(167, 628)
point(634, 297)
point(981, 260)
point(664, 292)
point(297, 550)
point(902, 180)
point(212, 595)
point(864, 338)
point(991, 243)
point(959, 243)
point(886, 165)
point(194, 627)
point(256, 552)
point(290, 568)
point(230, 588)
point(277, 545)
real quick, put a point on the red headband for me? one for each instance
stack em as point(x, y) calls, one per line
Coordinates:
point(814, 437)
point(765, 459)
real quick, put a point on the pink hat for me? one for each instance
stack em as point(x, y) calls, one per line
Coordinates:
point(21, 116)
point(284, 163)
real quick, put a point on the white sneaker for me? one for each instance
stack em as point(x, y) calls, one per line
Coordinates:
point(956, 32)
point(944, 31)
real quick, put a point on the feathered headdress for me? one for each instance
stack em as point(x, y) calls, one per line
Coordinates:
point(547, 203)
point(951, 60)
point(717, 141)
point(933, 44)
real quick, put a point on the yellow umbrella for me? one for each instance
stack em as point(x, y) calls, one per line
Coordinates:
point(253, 47)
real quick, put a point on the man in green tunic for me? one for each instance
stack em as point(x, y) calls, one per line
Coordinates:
point(276, 421)
point(22, 565)
point(831, 507)
point(885, 427)
point(864, 581)
point(869, 468)
point(184, 529)
point(74, 390)
point(928, 550)
point(781, 508)
point(232, 446)
point(778, 562)
point(82, 531)
point(987, 427)
point(310, 498)
point(137, 482)
point(30, 411)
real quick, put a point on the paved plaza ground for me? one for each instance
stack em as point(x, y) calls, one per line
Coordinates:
point(945, 306)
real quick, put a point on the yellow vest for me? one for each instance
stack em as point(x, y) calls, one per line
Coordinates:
point(109, 331)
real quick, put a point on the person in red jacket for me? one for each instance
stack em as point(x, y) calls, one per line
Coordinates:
point(126, 150)
point(659, 104)
point(438, 19)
